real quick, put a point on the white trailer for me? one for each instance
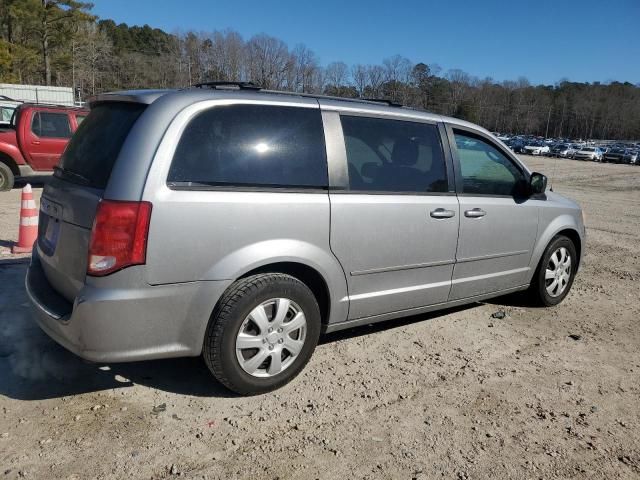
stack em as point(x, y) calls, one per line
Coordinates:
point(38, 94)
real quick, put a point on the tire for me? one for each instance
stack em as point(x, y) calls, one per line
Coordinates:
point(235, 314)
point(7, 178)
point(539, 290)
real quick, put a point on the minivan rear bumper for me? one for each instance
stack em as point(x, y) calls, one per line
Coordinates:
point(124, 324)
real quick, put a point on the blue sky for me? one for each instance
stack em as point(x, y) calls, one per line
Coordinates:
point(543, 40)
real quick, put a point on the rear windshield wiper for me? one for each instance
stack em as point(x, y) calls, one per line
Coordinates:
point(69, 173)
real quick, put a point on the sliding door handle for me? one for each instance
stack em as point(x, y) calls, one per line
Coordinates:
point(442, 213)
point(475, 213)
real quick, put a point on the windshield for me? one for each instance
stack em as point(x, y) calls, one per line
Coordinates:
point(6, 113)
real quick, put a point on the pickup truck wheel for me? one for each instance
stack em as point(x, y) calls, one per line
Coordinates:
point(262, 333)
point(6, 177)
point(555, 273)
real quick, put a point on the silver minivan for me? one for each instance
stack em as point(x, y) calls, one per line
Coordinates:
point(239, 224)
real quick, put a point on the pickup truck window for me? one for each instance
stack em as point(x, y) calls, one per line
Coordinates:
point(51, 125)
point(6, 114)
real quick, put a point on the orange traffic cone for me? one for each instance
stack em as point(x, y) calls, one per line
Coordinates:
point(28, 232)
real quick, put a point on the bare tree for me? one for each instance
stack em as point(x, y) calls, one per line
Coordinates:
point(267, 60)
point(336, 74)
point(359, 76)
point(93, 55)
point(306, 68)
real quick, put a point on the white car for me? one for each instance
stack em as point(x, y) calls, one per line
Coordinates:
point(588, 153)
point(536, 149)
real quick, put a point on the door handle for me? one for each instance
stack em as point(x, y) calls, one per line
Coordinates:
point(475, 213)
point(35, 142)
point(442, 213)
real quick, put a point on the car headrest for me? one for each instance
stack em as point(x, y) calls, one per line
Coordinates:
point(405, 152)
point(370, 170)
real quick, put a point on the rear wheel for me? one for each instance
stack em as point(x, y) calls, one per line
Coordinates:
point(262, 333)
point(556, 271)
point(7, 178)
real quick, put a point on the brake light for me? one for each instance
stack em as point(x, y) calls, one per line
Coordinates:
point(118, 236)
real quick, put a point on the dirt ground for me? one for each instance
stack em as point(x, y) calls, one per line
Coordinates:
point(541, 393)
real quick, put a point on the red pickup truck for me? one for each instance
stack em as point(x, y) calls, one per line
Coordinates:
point(35, 140)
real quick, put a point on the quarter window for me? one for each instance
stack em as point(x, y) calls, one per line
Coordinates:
point(51, 125)
point(485, 169)
point(393, 155)
point(252, 145)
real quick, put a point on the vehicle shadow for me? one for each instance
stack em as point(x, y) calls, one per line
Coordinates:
point(368, 329)
point(516, 299)
point(34, 367)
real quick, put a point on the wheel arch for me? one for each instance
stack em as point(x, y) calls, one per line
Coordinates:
point(575, 238)
point(10, 162)
point(563, 225)
point(312, 264)
point(311, 277)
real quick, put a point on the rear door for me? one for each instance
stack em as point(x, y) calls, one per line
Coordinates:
point(394, 222)
point(46, 137)
point(498, 225)
point(70, 198)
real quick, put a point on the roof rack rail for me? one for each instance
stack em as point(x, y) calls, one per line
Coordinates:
point(253, 87)
point(383, 100)
point(47, 105)
point(238, 85)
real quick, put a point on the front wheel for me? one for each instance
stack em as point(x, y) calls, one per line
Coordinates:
point(555, 274)
point(262, 333)
point(6, 178)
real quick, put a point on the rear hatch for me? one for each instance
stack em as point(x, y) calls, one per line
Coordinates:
point(69, 201)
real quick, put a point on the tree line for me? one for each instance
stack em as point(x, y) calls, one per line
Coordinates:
point(59, 42)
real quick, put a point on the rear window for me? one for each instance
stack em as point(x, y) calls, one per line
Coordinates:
point(252, 146)
point(92, 151)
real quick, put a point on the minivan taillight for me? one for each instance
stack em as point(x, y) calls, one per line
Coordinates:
point(118, 236)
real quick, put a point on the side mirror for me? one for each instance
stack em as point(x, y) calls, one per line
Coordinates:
point(537, 183)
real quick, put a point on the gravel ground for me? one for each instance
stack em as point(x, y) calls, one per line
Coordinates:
point(540, 393)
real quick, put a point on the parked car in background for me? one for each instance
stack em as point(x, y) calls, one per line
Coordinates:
point(536, 148)
point(33, 143)
point(588, 153)
point(515, 144)
point(559, 150)
point(321, 214)
point(621, 155)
